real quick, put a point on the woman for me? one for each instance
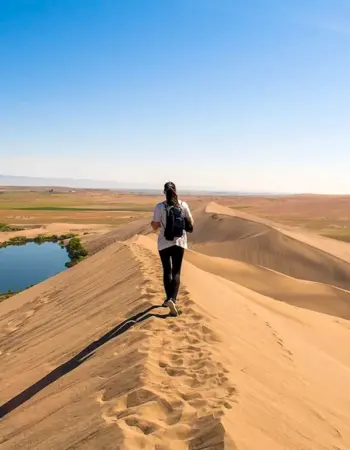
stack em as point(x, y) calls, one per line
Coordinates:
point(171, 250)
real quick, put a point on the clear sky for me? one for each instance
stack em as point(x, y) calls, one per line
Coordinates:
point(227, 94)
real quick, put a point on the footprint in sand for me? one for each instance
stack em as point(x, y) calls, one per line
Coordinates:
point(12, 327)
point(145, 426)
point(29, 313)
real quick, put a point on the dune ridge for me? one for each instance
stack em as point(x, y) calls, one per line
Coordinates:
point(121, 233)
point(89, 359)
point(338, 249)
point(312, 295)
point(223, 234)
point(157, 385)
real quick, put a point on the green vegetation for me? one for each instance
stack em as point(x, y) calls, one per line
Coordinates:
point(6, 296)
point(99, 201)
point(127, 207)
point(66, 236)
point(9, 293)
point(5, 228)
point(18, 240)
point(76, 252)
point(40, 239)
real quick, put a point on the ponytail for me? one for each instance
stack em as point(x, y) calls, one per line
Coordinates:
point(171, 194)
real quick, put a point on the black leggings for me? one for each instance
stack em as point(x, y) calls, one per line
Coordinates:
point(171, 258)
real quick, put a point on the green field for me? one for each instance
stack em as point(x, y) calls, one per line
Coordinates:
point(331, 227)
point(24, 207)
point(126, 208)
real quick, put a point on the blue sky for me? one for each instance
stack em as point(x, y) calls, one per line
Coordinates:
point(227, 94)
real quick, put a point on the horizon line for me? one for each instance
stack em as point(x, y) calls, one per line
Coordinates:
point(49, 182)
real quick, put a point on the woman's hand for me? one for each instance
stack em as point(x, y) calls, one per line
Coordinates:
point(155, 225)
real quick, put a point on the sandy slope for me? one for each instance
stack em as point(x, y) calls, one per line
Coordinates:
point(223, 233)
point(305, 294)
point(158, 383)
point(87, 362)
point(338, 249)
point(235, 370)
point(120, 233)
point(284, 362)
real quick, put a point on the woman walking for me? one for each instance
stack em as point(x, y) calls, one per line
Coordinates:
point(173, 218)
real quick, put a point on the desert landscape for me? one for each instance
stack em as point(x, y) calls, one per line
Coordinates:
point(257, 360)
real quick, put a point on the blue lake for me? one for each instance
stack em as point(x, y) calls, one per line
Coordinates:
point(24, 265)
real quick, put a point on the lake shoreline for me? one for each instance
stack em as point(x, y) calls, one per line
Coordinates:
point(8, 295)
point(75, 249)
point(75, 252)
point(39, 239)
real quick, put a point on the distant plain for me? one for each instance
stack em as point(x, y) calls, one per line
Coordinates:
point(325, 215)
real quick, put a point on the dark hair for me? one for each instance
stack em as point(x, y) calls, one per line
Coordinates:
point(171, 194)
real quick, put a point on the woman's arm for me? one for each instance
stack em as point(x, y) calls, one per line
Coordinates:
point(188, 214)
point(155, 224)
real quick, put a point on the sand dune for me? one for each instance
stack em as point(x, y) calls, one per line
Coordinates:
point(338, 249)
point(121, 233)
point(157, 384)
point(305, 294)
point(254, 242)
point(90, 360)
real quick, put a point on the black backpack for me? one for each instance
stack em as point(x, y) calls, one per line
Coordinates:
point(175, 222)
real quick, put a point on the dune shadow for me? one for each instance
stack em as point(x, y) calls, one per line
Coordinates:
point(77, 360)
